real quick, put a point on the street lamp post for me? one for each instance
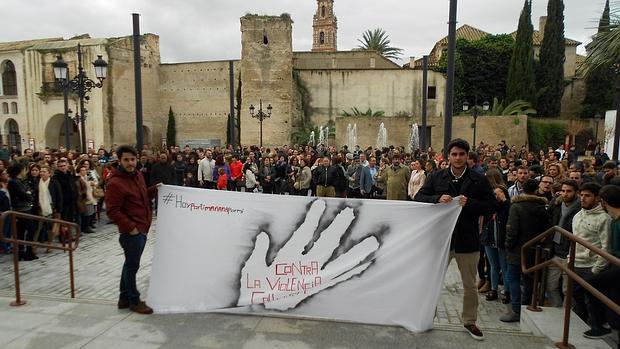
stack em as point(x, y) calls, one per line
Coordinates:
point(260, 116)
point(597, 118)
point(485, 107)
point(81, 85)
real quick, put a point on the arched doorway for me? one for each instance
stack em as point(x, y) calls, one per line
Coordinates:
point(13, 138)
point(55, 132)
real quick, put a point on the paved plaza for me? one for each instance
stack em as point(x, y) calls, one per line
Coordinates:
point(92, 320)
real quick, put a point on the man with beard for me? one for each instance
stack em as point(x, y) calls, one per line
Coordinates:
point(128, 205)
point(397, 178)
point(475, 195)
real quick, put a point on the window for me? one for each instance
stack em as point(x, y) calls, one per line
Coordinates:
point(432, 92)
point(323, 11)
point(13, 107)
point(322, 38)
point(9, 79)
point(5, 108)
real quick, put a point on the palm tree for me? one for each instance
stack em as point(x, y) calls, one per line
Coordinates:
point(604, 50)
point(378, 40)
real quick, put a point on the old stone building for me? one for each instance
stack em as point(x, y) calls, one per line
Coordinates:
point(199, 93)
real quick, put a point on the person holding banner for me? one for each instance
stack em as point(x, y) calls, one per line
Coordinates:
point(128, 203)
point(477, 199)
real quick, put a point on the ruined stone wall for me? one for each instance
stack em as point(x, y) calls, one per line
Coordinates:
point(266, 73)
point(199, 95)
point(490, 129)
point(120, 104)
point(395, 92)
point(342, 60)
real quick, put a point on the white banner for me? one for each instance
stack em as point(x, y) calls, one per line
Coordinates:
point(369, 261)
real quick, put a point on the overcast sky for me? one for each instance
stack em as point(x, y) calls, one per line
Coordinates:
point(199, 30)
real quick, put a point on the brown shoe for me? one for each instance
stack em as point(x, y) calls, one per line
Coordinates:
point(485, 288)
point(123, 303)
point(480, 283)
point(141, 308)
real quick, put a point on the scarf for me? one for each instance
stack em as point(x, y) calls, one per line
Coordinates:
point(45, 198)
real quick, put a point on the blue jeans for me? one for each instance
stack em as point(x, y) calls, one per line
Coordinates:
point(497, 262)
point(133, 246)
point(515, 278)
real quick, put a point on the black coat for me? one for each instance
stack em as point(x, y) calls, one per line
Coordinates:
point(527, 219)
point(491, 236)
point(325, 176)
point(480, 201)
point(66, 181)
point(163, 173)
point(21, 196)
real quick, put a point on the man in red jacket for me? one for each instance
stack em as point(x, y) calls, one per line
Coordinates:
point(236, 173)
point(128, 205)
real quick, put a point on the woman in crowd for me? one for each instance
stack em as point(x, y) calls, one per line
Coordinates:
point(22, 201)
point(303, 179)
point(220, 163)
point(85, 200)
point(494, 236)
point(50, 201)
point(417, 177)
point(250, 176)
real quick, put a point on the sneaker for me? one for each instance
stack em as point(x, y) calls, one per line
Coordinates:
point(510, 317)
point(141, 308)
point(123, 303)
point(596, 333)
point(474, 332)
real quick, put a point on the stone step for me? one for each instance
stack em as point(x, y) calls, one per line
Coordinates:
point(550, 323)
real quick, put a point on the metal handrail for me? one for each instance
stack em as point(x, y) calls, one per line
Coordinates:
point(569, 270)
point(72, 246)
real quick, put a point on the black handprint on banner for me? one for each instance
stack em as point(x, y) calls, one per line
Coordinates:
point(295, 275)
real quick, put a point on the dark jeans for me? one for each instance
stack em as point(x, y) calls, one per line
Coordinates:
point(607, 282)
point(133, 246)
point(497, 263)
point(482, 265)
point(515, 279)
point(586, 305)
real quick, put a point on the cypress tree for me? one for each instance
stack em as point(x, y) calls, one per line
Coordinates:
point(521, 75)
point(550, 77)
point(599, 83)
point(171, 131)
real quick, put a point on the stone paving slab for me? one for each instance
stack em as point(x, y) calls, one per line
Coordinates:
point(99, 258)
point(73, 324)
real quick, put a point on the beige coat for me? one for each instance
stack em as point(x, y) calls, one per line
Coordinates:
point(416, 182)
point(396, 182)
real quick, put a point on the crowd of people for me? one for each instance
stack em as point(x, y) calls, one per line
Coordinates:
point(509, 196)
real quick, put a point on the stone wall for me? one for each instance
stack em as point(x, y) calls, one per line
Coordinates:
point(490, 129)
point(266, 73)
point(395, 92)
point(199, 95)
point(342, 60)
point(120, 103)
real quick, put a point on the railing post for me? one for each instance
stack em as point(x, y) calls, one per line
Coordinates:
point(534, 304)
point(71, 273)
point(18, 299)
point(568, 301)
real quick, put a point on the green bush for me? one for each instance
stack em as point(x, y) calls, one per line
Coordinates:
point(542, 134)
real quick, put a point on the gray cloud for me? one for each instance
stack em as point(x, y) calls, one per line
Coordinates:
point(195, 30)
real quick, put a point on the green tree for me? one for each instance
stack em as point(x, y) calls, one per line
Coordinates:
point(521, 83)
point(481, 69)
point(378, 40)
point(599, 83)
point(550, 75)
point(171, 131)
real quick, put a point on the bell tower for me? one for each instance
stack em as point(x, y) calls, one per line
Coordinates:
point(325, 26)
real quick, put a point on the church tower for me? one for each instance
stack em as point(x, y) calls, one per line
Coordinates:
point(325, 26)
